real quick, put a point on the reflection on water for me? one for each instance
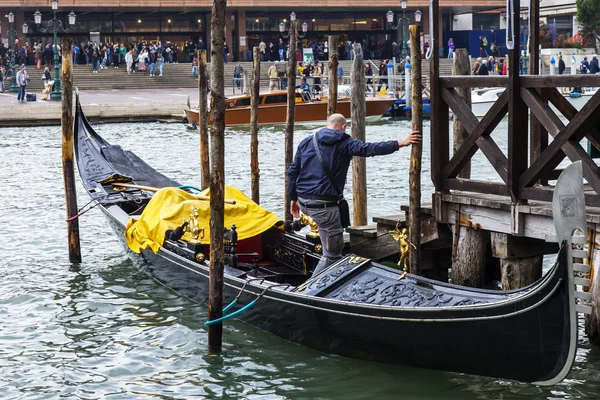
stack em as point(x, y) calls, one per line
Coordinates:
point(105, 330)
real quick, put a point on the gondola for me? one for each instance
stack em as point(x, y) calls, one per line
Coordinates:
point(358, 307)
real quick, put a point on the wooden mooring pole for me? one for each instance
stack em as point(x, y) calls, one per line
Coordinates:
point(333, 75)
point(67, 153)
point(203, 120)
point(255, 90)
point(217, 185)
point(414, 213)
point(358, 112)
point(289, 120)
point(470, 245)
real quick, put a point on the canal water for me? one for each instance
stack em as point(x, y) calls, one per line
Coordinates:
point(104, 330)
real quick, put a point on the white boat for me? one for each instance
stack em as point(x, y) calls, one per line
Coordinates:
point(482, 99)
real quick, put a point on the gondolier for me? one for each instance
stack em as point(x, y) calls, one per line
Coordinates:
point(316, 181)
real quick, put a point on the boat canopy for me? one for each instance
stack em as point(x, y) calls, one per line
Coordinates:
point(170, 206)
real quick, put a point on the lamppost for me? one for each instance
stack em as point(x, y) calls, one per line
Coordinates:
point(402, 24)
point(11, 48)
point(292, 19)
point(55, 25)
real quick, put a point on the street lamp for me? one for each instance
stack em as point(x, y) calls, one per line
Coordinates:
point(402, 24)
point(55, 25)
point(293, 25)
point(11, 48)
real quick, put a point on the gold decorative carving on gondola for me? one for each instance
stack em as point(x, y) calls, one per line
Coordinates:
point(193, 227)
point(314, 229)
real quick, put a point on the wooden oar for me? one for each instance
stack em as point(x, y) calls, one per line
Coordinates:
point(155, 189)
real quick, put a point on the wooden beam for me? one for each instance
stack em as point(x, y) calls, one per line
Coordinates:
point(534, 37)
point(333, 75)
point(471, 185)
point(485, 127)
point(509, 246)
point(569, 112)
point(544, 193)
point(583, 122)
point(440, 135)
point(474, 81)
point(560, 81)
point(517, 114)
point(462, 66)
point(461, 110)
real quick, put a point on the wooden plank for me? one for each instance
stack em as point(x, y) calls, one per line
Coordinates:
point(470, 145)
point(557, 81)
point(517, 116)
point(534, 38)
point(474, 81)
point(583, 122)
point(476, 186)
point(494, 155)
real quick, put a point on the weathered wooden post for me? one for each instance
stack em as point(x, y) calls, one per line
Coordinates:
point(203, 120)
point(217, 185)
point(470, 245)
point(358, 112)
point(462, 66)
point(67, 153)
point(333, 75)
point(414, 213)
point(289, 120)
point(255, 90)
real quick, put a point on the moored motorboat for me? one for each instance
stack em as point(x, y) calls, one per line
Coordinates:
point(356, 308)
point(273, 108)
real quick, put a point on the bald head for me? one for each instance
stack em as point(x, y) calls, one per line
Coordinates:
point(337, 122)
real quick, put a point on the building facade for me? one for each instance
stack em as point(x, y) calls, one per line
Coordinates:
point(248, 22)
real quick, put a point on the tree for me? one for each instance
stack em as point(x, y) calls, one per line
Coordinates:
point(588, 15)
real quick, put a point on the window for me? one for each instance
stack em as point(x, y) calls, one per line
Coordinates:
point(282, 98)
point(244, 101)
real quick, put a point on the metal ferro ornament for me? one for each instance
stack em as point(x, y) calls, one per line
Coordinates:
point(193, 227)
point(314, 229)
point(401, 236)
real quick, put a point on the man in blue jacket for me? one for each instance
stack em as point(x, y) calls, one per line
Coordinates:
point(310, 189)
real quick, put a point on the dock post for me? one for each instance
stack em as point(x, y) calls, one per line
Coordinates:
point(358, 113)
point(203, 120)
point(67, 153)
point(407, 83)
point(470, 245)
point(217, 183)
point(462, 66)
point(414, 213)
point(255, 90)
point(333, 75)
point(289, 119)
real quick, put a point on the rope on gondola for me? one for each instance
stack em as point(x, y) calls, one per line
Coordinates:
point(246, 307)
point(82, 209)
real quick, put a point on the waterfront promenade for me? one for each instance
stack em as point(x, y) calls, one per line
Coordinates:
point(112, 105)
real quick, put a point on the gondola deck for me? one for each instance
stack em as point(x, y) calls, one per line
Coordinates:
point(358, 307)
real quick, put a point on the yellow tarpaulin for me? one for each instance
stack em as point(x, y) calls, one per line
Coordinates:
point(169, 207)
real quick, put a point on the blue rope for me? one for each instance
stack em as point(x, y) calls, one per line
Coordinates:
point(230, 306)
point(183, 187)
point(233, 314)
